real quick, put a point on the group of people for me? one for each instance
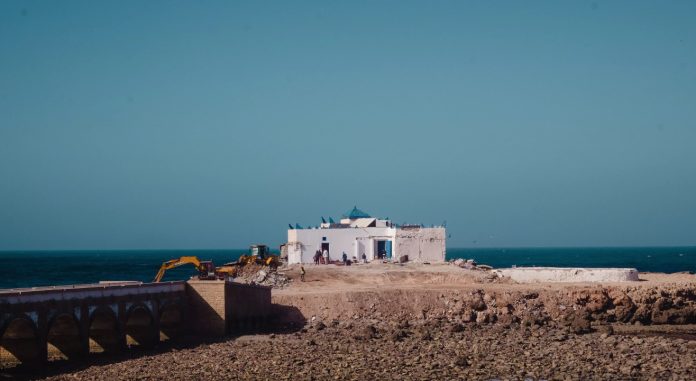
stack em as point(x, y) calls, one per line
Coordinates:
point(321, 257)
point(363, 258)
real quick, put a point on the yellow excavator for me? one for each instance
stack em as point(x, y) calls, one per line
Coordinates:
point(206, 269)
point(261, 255)
point(258, 254)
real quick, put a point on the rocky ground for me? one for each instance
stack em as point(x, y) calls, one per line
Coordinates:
point(440, 322)
point(433, 349)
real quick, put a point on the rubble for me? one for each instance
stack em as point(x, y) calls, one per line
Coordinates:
point(469, 264)
point(262, 275)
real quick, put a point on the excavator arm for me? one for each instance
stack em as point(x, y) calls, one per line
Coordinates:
point(176, 263)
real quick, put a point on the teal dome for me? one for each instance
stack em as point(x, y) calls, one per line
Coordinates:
point(356, 213)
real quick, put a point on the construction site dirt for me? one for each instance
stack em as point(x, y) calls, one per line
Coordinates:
point(439, 321)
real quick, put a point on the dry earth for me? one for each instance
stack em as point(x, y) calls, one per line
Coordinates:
point(420, 322)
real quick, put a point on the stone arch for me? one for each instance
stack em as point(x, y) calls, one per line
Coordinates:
point(63, 337)
point(171, 321)
point(139, 326)
point(19, 341)
point(105, 335)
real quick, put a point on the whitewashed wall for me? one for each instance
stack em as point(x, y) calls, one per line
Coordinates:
point(303, 243)
point(421, 244)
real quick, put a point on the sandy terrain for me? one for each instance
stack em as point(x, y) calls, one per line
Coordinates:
point(376, 275)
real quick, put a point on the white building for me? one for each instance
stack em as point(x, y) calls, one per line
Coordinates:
point(359, 233)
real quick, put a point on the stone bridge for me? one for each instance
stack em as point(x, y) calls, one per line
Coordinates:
point(66, 322)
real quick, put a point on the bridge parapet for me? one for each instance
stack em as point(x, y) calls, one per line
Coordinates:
point(82, 291)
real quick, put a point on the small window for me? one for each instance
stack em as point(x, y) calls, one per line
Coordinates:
point(323, 238)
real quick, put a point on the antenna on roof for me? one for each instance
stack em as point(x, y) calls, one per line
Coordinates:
point(297, 226)
point(323, 221)
point(331, 221)
point(290, 226)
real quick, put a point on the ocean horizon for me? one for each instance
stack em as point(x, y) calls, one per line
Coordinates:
point(34, 268)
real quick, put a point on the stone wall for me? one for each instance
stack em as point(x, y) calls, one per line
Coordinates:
point(207, 306)
point(246, 306)
point(219, 308)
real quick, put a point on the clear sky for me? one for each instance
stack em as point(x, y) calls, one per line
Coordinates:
point(146, 124)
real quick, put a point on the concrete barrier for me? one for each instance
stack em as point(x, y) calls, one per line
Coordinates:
point(566, 274)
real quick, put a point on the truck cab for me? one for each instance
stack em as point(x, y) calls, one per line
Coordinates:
point(259, 251)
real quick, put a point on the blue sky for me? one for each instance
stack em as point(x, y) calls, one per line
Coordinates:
point(172, 124)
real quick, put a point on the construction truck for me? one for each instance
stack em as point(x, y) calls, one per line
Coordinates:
point(206, 269)
point(260, 255)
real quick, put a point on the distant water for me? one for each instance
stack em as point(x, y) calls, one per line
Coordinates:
point(42, 268)
point(648, 259)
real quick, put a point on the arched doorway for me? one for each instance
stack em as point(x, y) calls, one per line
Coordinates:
point(63, 338)
point(171, 322)
point(104, 335)
point(19, 343)
point(140, 328)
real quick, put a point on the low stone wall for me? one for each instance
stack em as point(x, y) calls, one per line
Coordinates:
point(565, 274)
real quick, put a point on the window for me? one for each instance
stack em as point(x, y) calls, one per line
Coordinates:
point(323, 238)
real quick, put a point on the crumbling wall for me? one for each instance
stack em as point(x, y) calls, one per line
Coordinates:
point(420, 244)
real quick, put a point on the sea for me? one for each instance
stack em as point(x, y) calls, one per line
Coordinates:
point(45, 268)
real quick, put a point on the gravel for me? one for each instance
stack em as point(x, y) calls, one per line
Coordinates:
point(425, 349)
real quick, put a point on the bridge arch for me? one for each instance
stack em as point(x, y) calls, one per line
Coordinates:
point(63, 336)
point(105, 333)
point(139, 326)
point(171, 320)
point(19, 341)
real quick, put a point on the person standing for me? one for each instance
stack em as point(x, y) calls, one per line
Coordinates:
point(325, 254)
point(364, 258)
point(302, 272)
point(345, 258)
point(317, 255)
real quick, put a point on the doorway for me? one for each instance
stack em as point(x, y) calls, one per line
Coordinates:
point(325, 246)
point(384, 249)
